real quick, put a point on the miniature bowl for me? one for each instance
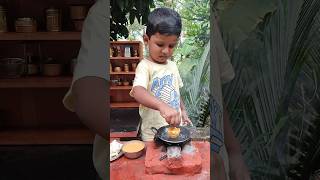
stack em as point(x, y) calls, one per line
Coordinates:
point(133, 149)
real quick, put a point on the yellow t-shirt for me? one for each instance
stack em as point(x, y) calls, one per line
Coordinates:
point(162, 81)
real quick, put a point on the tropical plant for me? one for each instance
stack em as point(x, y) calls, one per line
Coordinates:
point(274, 99)
point(192, 57)
point(195, 91)
point(195, 25)
point(124, 12)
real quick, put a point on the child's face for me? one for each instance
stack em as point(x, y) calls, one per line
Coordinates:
point(161, 47)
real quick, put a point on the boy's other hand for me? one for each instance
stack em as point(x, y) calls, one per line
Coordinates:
point(185, 118)
point(171, 115)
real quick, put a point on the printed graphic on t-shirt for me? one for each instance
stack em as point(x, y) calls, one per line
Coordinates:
point(216, 126)
point(163, 88)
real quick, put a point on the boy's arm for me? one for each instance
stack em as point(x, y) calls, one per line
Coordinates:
point(238, 169)
point(145, 98)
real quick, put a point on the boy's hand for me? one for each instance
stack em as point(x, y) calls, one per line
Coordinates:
point(171, 115)
point(185, 118)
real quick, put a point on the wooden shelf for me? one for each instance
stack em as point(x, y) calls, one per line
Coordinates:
point(46, 136)
point(120, 98)
point(124, 105)
point(125, 42)
point(122, 73)
point(40, 36)
point(115, 135)
point(125, 58)
point(120, 87)
point(36, 82)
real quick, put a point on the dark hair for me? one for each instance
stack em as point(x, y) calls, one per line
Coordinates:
point(164, 21)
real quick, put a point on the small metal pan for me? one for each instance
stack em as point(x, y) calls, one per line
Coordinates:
point(161, 136)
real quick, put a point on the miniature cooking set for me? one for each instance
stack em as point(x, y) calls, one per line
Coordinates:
point(168, 154)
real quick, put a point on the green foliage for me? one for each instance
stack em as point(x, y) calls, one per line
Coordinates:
point(195, 91)
point(192, 57)
point(124, 12)
point(274, 98)
point(196, 18)
point(238, 18)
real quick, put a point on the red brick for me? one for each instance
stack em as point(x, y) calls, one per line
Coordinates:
point(188, 164)
point(133, 169)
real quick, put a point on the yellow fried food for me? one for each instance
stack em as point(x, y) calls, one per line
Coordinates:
point(173, 132)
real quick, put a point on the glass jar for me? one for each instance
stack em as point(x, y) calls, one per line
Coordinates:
point(127, 51)
point(53, 19)
point(26, 24)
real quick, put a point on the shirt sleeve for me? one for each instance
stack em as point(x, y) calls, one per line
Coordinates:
point(92, 58)
point(142, 75)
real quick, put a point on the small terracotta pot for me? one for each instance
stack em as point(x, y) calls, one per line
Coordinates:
point(78, 12)
point(78, 24)
point(117, 69)
point(134, 66)
point(52, 69)
point(126, 83)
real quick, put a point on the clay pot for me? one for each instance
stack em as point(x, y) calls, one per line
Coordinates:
point(78, 12)
point(52, 69)
point(117, 69)
point(78, 24)
point(126, 83)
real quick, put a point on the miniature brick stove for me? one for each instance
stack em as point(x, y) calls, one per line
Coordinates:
point(189, 162)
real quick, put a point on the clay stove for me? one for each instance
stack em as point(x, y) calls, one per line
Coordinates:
point(173, 159)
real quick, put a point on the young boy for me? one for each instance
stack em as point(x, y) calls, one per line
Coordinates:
point(157, 80)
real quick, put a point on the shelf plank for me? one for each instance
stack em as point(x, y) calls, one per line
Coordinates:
point(124, 105)
point(36, 82)
point(121, 87)
point(131, 134)
point(46, 136)
point(125, 58)
point(40, 36)
point(123, 73)
point(125, 42)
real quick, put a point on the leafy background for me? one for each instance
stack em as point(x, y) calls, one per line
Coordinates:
point(273, 100)
point(124, 13)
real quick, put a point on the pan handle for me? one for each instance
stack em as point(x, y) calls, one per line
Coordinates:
point(155, 130)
